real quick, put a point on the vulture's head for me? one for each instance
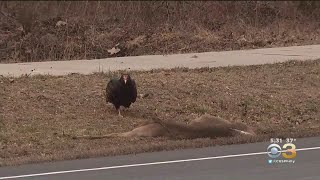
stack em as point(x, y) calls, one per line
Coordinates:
point(125, 79)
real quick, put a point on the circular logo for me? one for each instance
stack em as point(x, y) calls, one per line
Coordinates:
point(274, 150)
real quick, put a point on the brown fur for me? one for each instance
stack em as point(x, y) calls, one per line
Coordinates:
point(204, 126)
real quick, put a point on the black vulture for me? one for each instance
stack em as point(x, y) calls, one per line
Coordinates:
point(121, 92)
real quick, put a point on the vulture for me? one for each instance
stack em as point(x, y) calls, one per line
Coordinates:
point(121, 92)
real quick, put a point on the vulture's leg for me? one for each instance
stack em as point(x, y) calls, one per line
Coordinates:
point(118, 108)
point(119, 113)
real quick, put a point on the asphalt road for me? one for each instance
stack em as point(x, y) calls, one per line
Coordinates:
point(191, 60)
point(241, 162)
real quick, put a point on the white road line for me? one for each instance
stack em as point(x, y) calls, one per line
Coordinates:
point(145, 164)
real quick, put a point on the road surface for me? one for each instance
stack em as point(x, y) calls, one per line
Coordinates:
point(191, 60)
point(240, 162)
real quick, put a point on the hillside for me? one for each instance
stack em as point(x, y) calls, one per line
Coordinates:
point(68, 30)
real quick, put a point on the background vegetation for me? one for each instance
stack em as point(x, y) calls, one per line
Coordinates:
point(67, 30)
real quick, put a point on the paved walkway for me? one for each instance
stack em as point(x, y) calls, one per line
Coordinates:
point(191, 60)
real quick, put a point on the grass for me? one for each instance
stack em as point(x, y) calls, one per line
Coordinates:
point(278, 100)
point(29, 30)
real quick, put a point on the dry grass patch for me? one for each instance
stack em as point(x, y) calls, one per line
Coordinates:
point(277, 99)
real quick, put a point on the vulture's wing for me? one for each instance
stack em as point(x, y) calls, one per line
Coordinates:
point(112, 90)
point(134, 91)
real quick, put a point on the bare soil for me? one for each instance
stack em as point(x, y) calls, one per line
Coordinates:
point(278, 100)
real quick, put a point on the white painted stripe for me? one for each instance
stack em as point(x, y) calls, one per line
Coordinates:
point(146, 164)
